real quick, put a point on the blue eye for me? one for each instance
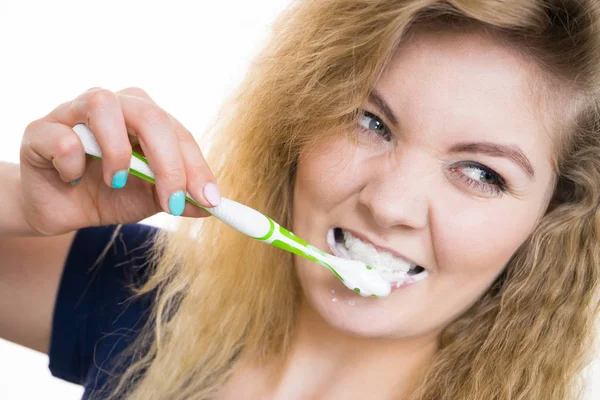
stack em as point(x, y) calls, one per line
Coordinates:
point(373, 123)
point(481, 178)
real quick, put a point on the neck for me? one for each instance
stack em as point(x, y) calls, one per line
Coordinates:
point(325, 363)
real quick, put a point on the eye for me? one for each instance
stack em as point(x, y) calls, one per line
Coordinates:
point(373, 123)
point(480, 177)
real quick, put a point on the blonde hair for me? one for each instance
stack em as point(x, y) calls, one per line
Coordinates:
point(528, 337)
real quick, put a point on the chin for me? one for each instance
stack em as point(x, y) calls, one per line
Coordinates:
point(346, 311)
point(352, 324)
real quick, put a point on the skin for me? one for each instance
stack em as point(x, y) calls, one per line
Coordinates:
point(412, 195)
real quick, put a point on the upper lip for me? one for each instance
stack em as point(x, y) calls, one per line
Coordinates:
point(379, 247)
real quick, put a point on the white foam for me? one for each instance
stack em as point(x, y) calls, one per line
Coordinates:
point(391, 268)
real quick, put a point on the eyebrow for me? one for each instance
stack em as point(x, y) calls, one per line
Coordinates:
point(375, 98)
point(511, 152)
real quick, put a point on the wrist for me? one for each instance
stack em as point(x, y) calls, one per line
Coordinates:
point(13, 221)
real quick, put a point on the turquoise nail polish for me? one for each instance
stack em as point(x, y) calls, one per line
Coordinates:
point(177, 203)
point(119, 179)
point(75, 181)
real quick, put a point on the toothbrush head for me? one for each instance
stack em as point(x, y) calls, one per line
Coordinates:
point(358, 276)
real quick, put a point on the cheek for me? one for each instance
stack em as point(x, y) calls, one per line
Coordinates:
point(326, 177)
point(476, 241)
point(323, 183)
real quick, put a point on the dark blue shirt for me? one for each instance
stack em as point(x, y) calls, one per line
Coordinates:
point(95, 316)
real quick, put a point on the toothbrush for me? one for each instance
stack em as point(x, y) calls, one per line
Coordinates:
point(355, 275)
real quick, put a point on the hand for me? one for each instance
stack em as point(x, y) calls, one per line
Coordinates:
point(63, 190)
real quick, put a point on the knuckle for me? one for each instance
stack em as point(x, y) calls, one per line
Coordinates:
point(66, 145)
point(187, 139)
point(33, 126)
point(135, 91)
point(100, 98)
point(175, 175)
point(153, 115)
point(118, 154)
point(199, 173)
point(93, 89)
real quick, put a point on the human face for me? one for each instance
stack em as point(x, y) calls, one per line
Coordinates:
point(438, 187)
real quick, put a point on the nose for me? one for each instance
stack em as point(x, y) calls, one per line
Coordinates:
point(398, 193)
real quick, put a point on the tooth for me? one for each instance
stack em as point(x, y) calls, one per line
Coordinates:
point(386, 259)
point(347, 237)
point(385, 262)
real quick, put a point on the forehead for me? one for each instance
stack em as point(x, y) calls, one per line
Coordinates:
point(455, 86)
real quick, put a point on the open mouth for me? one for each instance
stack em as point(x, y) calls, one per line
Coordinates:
point(393, 269)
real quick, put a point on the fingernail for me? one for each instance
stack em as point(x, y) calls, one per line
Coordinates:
point(177, 203)
point(119, 179)
point(75, 181)
point(211, 194)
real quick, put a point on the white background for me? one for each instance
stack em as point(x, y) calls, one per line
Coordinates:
point(188, 55)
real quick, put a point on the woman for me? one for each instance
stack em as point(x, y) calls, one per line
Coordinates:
point(461, 137)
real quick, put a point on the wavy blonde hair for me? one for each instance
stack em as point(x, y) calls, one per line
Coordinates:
point(528, 337)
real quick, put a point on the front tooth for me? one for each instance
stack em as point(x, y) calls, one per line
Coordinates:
point(366, 252)
point(386, 260)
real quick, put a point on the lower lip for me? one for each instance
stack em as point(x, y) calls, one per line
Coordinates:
point(394, 285)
